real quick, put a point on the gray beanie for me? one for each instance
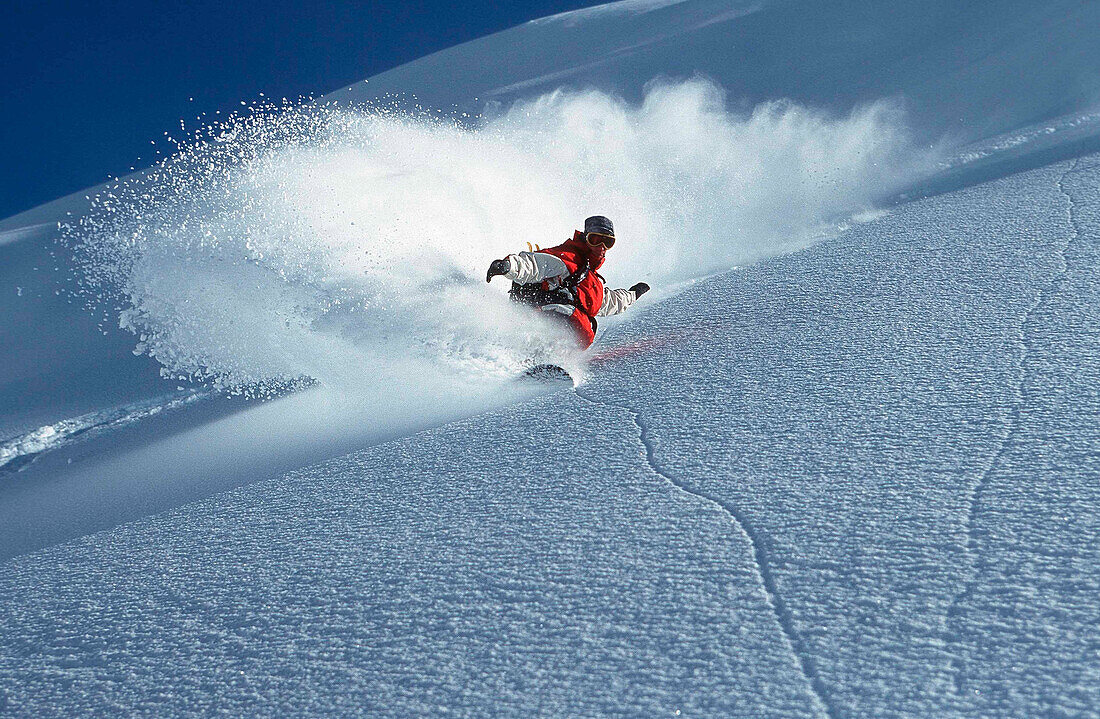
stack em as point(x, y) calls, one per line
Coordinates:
point(600, 224)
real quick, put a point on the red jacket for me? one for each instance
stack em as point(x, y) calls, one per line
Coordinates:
point(589, 290)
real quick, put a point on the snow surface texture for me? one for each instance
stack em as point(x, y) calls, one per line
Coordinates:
point(908, 429)
point(892, 512)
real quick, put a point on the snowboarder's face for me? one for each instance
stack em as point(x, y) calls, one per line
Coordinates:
point(599, 240)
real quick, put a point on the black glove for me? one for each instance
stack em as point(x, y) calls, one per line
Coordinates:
point(499, 267)
point(639, 289)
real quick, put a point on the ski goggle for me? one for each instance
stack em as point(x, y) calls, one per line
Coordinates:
point(598, 238)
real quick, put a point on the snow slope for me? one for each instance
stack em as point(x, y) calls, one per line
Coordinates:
point(967, 70)
point(890, 510)
point(858, 479)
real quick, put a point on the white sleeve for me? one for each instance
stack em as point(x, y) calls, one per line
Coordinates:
point(616, 301)
point(528, 267)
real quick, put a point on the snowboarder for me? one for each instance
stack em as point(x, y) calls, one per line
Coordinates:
point(564, 281)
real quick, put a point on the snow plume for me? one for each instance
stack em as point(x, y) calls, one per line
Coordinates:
point(348, 245)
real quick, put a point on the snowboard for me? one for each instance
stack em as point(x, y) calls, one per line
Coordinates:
point(546, 374)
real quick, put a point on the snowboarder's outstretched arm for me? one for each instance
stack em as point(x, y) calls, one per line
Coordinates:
point(528, 267)
point(616, 301)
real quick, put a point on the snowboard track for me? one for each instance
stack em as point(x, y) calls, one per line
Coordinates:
point(1013, 421)
point(761, 558)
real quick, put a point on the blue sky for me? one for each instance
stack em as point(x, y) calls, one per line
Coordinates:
point(86, 86)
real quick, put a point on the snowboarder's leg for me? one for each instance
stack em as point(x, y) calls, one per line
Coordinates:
point(582, 325)
point(579, 323)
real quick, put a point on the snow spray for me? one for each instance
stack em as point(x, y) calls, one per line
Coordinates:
point(346, 245)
